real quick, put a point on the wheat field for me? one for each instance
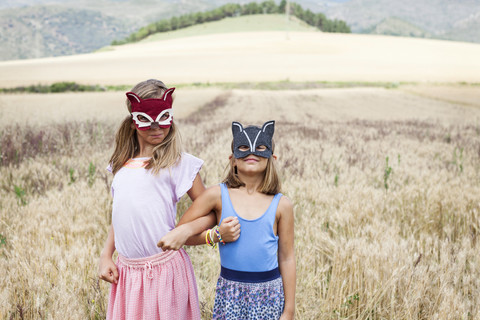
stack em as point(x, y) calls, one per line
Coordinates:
point(385, 185)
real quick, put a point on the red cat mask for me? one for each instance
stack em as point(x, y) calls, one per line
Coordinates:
point(152, 112)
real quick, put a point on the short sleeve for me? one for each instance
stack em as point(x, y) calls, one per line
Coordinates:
point(184, 173)
point(109, 168)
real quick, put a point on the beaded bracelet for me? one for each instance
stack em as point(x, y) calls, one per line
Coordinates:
point(216, 228)
point(209, 239)
point(212, 239)
point(206, 237)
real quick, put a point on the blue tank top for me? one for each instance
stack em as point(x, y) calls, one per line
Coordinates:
point(256, 248)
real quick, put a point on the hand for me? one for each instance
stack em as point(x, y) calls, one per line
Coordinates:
point(107, 270)
point(229, 229)
point(174, 240)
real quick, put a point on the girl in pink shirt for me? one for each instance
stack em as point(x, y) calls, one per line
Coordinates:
point(151, 174)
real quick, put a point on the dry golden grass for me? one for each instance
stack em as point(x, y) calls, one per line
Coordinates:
point(38, 109)
point(385, 183)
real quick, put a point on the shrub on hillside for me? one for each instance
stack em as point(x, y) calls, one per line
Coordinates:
point(54, 88)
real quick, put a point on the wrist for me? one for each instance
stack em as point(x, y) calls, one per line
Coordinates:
point(289, 314)
point(289, 311)
point(185, 229)
point(216, 230)
point(106, 254)
point(209, 238)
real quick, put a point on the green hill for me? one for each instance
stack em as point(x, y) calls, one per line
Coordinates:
point(397, 27)
point(236, 10)
point(46, 31)
point(444, 19)
point(267, 22)
point(465, 30)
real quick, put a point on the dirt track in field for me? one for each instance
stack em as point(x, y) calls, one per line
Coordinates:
point(448, 105)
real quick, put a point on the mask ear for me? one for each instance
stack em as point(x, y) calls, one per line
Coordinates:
point(167, 95)
point(236, 127)
point(269, 127)
point(134, 99)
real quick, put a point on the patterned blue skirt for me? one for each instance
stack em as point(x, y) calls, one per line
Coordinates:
point(236, 300)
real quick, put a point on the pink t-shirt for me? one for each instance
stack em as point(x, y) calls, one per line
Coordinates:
point(144, 204)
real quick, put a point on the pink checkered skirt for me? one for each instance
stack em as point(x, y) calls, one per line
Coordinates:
point(160, 287)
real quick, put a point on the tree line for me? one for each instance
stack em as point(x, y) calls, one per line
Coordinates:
point(318, 20)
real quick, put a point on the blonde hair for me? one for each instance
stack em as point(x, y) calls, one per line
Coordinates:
point(165, 154)
point(270, 182)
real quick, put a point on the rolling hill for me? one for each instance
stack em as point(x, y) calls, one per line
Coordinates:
point(47, 28)
point(46, 31)
point(398, 27)
point(80, 26)
point(257, 56)
point(437, 17)
point(253, 23)
point(465, 30)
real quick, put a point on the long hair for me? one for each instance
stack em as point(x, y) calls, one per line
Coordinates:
point(165, 154)
point(270, 182)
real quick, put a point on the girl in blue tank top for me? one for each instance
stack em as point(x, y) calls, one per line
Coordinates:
point(258, 274)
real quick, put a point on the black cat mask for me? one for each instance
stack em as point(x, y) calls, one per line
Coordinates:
point(253, 138)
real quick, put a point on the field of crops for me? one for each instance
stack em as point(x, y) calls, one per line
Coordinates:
point(385, 184)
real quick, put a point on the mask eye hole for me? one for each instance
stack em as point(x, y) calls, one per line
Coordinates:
point(142, 118)
point(165, 116)
point(243, 148)
point(261, 148)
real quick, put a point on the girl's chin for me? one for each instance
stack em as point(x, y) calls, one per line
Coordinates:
point(155, 141)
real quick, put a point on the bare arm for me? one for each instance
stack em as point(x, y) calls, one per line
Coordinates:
point(203, 222)
point(197, 188)
point(107, 270)
point(208, 202)
point(286, 256)
point(229, 231)
point(229, 228)
point(200, 216)
point(194, 221)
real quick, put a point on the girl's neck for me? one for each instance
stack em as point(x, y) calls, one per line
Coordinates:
point(251, 182)
point(144, 152)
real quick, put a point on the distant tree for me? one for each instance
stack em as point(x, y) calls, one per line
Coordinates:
point(297, 10)
point(336, 26)
point(319, 20)
point(217, 14)
point(231, 10)
point(207, 16)
point(251, 8)
point(174, 23)
point(342, 27)
point(309, 17)
point(269, 7)
point(185, 21)
point(142, 33)
point(163, 26)
point(132, 37)
point(199, 17)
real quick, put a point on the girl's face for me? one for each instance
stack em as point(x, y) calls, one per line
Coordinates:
point(151, 137)
point(251, 164)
